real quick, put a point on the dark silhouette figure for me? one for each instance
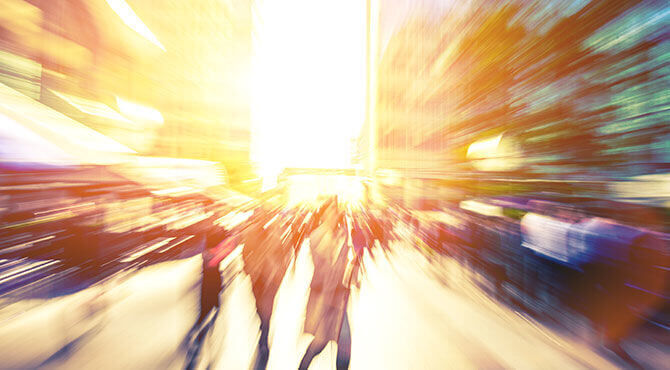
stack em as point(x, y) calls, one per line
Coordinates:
point(210, 289)
point(265, 261)
point(325, 316)
point(361, 241)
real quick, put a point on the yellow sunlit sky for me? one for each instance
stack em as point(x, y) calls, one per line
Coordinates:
point(308, 83)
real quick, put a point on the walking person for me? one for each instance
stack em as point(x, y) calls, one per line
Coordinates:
point(211, 276)
point(210, 289)
point(325, 316)
point(265, 261)
point(298, 232)
point(377, 230)
point(360, 241)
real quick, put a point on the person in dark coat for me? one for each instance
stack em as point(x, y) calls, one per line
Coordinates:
point(298, 227)
point(377, 229)
point(360, 241)
point(210, 289)
point(325, 315)
point(211, 279)
point(265, 261)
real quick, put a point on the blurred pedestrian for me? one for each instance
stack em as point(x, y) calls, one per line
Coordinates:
point(377, 229)
point(210, 289)
point(265, 261)
point(360, 242)
point(326, 316)
point(211, 276)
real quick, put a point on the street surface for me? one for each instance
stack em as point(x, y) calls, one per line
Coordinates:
point(402, 317)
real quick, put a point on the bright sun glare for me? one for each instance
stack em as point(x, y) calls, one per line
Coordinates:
point(308, 84)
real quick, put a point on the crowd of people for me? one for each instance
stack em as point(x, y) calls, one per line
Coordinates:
point(560, 259)
point(339, 235)
point(271, 238)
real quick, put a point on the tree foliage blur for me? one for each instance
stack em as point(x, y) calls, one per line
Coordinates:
point(583, 86)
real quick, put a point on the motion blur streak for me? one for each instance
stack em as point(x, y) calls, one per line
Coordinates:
point(315, 184)
point(129, 17)
point(91, 107)
point(140, 112)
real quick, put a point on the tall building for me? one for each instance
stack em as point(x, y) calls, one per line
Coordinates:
point(185, 65)
point(530, 89)
point(409, 119)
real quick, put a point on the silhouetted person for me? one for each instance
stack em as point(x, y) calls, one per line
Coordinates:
point(377, 230)
point(325, 316)
point(360, 241)
point(210, 289)
point(211, 278)
point(298, 227)
point(265, 261)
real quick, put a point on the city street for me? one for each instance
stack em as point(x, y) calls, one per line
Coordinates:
point(402, 317)
point(222, 184)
